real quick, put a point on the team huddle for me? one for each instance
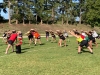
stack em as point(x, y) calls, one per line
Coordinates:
point(84, 38)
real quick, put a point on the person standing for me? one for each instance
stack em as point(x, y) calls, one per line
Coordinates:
point(19, 43)
point(20, 38)
point(47, 35)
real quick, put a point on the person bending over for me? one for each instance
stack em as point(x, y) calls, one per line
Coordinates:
point(11, 41)
point(82, 42)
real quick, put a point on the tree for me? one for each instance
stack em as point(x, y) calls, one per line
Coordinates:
point(27, 13)
point(18, 13)
point(81, 9)
point(11, 4)
point(64, 10)
point(72, 12)
point(92, 12)
point(39, 7)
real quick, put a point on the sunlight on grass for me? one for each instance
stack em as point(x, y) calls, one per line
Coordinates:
point(49, 59)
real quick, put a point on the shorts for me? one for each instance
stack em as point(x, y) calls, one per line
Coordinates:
point(63, 38)
point(93, 40)
point(84, 43)
point(30, 37)
point(47, 36)
point(10, 42)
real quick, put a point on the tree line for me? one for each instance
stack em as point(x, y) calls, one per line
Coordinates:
point(52, 11)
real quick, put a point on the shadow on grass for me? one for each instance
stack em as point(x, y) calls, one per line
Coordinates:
point(25, 43)
point(98, 43)
point(64, 46)
point(22, 52)
point(25, 48)
point(2, 44)
point(85, 51)
point(42, 44)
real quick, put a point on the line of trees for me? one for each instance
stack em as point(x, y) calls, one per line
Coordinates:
point(53, 11)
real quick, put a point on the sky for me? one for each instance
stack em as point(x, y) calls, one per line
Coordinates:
point(3, 14)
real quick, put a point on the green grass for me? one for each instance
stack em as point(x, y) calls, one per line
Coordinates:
point(49, 59)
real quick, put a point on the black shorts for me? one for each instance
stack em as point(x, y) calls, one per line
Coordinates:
point(63, 38)
point(47, 36)
point(93, 40)
point(84, 43)
point(30, 37)
point(10, 42)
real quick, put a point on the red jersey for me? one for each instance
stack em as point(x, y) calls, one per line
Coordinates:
point(20, 40)
point(82, 37)
point(13, 37)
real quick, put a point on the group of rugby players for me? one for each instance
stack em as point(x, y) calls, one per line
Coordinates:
point(84, 38)
point(10, 37)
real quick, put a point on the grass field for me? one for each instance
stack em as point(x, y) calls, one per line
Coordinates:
point(49, 59)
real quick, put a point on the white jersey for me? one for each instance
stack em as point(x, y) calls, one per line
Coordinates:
point(84, 34)
point(94, 34)
point(65, 34)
